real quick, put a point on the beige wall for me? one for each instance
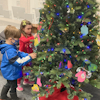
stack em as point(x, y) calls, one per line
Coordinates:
point(5, 4)
point(25, 4)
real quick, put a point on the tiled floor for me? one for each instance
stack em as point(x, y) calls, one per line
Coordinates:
point(27, 90)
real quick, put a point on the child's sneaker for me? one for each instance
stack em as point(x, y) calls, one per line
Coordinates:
point(19, 88)
point(25, 82)
point(31, 83)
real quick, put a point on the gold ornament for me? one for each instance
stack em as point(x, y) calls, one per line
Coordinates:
point(45, 51)
point(55, 52)
point(67, 77)
point(73, 32)
point(65, 29)
point(42, 12)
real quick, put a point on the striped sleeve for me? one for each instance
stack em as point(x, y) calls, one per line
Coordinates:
point(22, 61)
point(16, 60)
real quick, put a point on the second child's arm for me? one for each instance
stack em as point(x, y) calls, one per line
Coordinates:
point(26, 40)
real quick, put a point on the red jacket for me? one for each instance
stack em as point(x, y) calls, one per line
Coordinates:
point(25, 45)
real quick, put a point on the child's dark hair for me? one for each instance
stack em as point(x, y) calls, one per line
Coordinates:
point(23, 25)
point(11, 31)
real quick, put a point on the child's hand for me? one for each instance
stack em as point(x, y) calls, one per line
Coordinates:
point(35, 35)
point(33, 55)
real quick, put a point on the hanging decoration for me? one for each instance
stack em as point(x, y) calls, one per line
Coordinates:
point(88, 73)
point(35, 88)
point(69, 64)
point(51, 23)
point(60, 64)
point(84, 30)
point(81, 76)
point(98, 40)
point(39, 82)
point(37, 40)
point(68, 11)
point(92, 67)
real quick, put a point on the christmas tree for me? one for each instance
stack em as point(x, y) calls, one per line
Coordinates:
point(68, 50)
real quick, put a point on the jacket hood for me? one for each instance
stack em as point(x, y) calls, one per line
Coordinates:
point(5, 47)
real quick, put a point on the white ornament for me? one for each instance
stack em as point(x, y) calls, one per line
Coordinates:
point(78, 69)
point(89, 74)
point(68, 10)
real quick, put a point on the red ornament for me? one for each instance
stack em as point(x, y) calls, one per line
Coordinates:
point(82, 50)
point(69, 64)
point(49, 85)
point(50, 80)
point(82, 41)
point(54, 5)
point(58, 43)
point(55, 82)
point(76, 55)
point(67, 21)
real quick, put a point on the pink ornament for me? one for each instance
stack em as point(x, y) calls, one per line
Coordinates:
point(47, 40)
point(81, 76)
point(38, 38)
point(39, 82)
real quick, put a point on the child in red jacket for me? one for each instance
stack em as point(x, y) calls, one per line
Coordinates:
point(25, 46)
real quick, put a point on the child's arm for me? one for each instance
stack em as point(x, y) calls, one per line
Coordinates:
point(17, 61)
point(35, 35)
point(26, 40)
point(22, 54)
